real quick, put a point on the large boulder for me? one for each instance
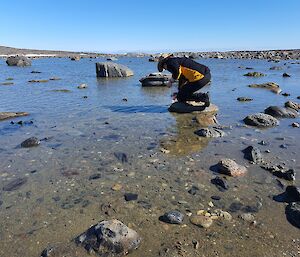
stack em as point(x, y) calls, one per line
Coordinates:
point(281, 112)
point(112, 70)
point(19, 61)
point(273, 87)
point(156, 79)
point(261, 120)
point(292, 212)
point(293, 105)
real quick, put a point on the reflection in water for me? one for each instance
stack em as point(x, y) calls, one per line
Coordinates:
point(183, 140)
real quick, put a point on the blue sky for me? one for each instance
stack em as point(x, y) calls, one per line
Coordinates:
point(153, 25)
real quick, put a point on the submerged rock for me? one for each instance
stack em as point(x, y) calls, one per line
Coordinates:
point(292, 212)
point(30, 142)
point(20, 61)
point(261, 120)
point(244, 99)
point(286, 75)
point(254, 74)
point(210, 132)
point(292, 105)
point(291, 194)
point(281, 112)
point(220, 183)
point(201, 221)
point(253, 154)
point(38, 80)
point(155, 80)
point(172, 217)
point(231, 168)
point(15, 184)
point(10, 115)
point(109, 238)
point(112, 70)
point(82, 86)
point(273, 87)
point(279, 171)
point(276, 68)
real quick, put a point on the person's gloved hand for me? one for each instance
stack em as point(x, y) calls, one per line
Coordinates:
point(170, 82)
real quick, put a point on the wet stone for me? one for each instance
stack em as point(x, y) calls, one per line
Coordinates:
point(235, 207)
point(15, 184)
point(293, 193)
point(172, 217)
point(286, 75)
point(130, 197)
point(281, 112)
point(230, 167)
point(194, 190)
point(220, 183)
point(261, 120)
point(273, 87)
point(30, 142)
point(95, 176)
point(244, 99)
point(254, 74)
point(293, 105)
point(210, 132)
point(122, 157)
point(215, 197)
point(145, 204)
point(279, 171)
point(253, 154)
point(201, 221)
point(292, 212)
point(247, 217)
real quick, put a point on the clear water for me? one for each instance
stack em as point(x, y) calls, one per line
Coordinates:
point(59, 201)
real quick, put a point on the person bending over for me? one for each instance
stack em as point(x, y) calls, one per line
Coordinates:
point(191, 77)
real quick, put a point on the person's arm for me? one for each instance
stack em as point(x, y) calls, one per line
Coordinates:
point(173, 66)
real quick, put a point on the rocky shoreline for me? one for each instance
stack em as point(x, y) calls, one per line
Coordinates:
point(275, 55)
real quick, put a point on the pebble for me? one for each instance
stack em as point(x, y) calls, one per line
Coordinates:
point(295, 125)
point(15, 184)
point(30, 142)
point(247, 217)
point(201, 221)
point(116, 187)
point(172, 217)
point(130, 197)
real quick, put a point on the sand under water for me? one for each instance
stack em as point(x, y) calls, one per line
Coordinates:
point(117, 133)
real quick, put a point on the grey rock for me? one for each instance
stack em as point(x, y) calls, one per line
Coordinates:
point(244, 99)
point(292, 105)
point(293, 192)
point(20, 61)
point(112, 70)
point(109, 238)
point(220, 183)
point(254, 74)
point(279, 171)
point(30, 142)
point(286, 75)
point(172, 217)
point(281, 112)
point(15, 184)
point(276, 68)
point(193, 107)
point(157, 79)
point(253, 154)
point(273, 87)
point(210, 132)
point(292, 212)
point(261, 120)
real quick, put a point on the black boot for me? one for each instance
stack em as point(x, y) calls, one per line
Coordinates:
point(202, 97)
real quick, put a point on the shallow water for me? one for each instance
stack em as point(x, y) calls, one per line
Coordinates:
point(82, 136)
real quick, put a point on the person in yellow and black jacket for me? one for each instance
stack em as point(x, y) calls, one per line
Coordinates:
point(191, 77)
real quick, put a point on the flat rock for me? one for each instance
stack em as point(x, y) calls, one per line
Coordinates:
point(276, 68)
point(82, 86)
point(273, 87)
point(157, 79)
point(244, 99)
point(193, 107)
point(30, 142)
point(172, 217)
point(20, 61)
point(253, 154)
point(112, 70)
point(109, 238)
point(279, 171)
point(261, 120)
point(15, 184)
point(254, 74)
point(10, 115)
point(210, 132)
point(201, 221)
point(292, 212)
point(231, 168)
point(292, 105)
point(220, 183)
point(281, 112)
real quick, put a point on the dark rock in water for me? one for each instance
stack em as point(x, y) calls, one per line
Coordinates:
point(254, 74)
point(194, 190)
point(244, 99)
point(253, 154)
point(231, 168)
point(276, 68)
point(261, 120)
point(193, 107)
point(172, 217)
point(15, 184)
point(112, 70)
point(292, 212)
point(286, 94)
point(109, 238)
point(285, 75)
point(273, 87)
point(30, 142)
point(95, 176)
point(281, 112)
point(216, 197)
point(145, 204)
point(35, 71)
point(235, 207)
point(210, 132)
point(155, 79)
point(122, 157)
point(279, 171)
point(220, 183)
point(130, 197)
point(292, 105)
point(19, 61)
point(291, 194)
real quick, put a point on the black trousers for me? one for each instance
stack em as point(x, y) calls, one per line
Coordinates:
point(186, 92)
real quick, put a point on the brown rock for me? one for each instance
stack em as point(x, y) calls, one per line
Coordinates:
point(10, 115)
point(201, 221)
point(231, 168)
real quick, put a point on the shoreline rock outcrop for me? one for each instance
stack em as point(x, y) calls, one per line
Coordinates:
point(112, 70)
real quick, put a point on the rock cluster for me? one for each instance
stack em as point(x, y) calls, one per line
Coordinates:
point(20, 61)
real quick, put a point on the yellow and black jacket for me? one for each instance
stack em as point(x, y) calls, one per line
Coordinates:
point(186, 70)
